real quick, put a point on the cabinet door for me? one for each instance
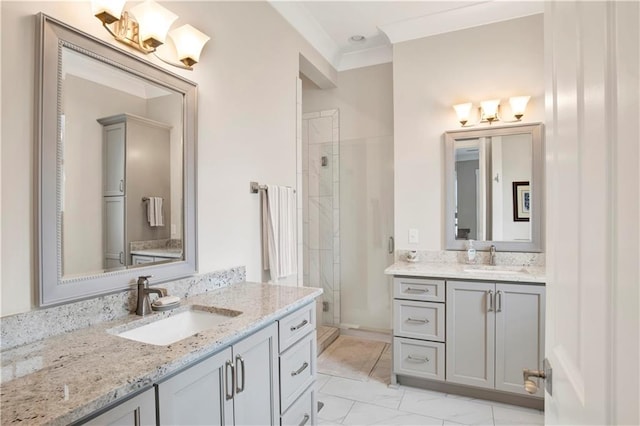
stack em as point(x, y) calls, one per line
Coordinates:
point(137, 411)
point(200, 395)
point(114, 159)
point(256, 400)
point(114, 239)
point(470, 333)
point(519, 334)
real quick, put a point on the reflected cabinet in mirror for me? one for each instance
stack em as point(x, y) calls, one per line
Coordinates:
point(116, 144)
point(494, 182)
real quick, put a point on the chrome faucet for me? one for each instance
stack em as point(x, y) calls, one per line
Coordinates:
point(144, 306)
point(492, 255)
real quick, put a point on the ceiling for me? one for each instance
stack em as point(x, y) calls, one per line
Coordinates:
point(328, 25)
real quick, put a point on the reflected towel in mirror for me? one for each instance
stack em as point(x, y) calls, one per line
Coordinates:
point(154, 211)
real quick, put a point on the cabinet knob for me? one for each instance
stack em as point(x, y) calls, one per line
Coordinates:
point(529, 385)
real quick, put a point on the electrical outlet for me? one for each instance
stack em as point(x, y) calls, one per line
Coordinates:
point(414, 236)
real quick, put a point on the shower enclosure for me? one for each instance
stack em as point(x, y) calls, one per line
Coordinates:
point(320, 169)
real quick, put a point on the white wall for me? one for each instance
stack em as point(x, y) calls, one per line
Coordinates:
point(246, 127)
point(432, 74)
point(365, 99)
point(517, 160)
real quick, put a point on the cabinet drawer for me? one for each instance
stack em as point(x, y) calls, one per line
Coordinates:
point(303, 411)
point(295, 325)
point(425, 289)
point(297, 370)
point(418, 358)
point(419, 320)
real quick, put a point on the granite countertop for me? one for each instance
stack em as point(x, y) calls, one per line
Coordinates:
point(159, 252)
point(510, 273)
point(97, 367)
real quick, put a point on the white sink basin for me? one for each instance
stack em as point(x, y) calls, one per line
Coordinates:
point(177, 327)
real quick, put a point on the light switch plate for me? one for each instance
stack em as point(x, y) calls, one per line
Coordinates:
point(414, 236)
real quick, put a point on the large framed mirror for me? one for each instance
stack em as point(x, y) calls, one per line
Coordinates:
point(116, 139)
point(494, 188)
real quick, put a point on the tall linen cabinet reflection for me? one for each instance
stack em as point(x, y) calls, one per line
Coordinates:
point(136, 165)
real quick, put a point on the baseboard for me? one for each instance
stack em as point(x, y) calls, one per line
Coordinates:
point(471, 392)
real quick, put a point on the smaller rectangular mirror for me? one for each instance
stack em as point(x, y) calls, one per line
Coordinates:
point(494, 188)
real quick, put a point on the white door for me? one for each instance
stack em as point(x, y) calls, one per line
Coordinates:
point(200, 395)
point(470, 327)
point(114, 159)
point(519, 334)
point(593, 185)
point(114, 233)
point(137, 411)
point(256, 394)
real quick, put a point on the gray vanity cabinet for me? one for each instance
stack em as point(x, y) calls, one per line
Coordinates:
point(137, 165)
point(494, 331)
point(236, 386)
point(137, 411)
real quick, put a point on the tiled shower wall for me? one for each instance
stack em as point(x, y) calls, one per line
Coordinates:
point(321, 207)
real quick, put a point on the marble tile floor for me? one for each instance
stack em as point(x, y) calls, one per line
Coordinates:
point(372, 402)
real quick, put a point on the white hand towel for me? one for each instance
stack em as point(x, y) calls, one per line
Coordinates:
point(281, 231)
point(154, 211)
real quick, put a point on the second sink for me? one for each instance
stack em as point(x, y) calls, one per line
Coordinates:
point(178, 326)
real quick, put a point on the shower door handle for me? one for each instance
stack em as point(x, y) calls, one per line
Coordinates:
point(391, 245)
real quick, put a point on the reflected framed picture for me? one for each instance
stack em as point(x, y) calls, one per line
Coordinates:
point(521, 201)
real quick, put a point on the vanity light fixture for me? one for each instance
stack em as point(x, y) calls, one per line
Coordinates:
point(489, 111)
point(145, 28)
point(463, 111)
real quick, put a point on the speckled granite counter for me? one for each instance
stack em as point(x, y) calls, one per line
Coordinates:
point(98, 368)
point(510, 273)
point(159, 252)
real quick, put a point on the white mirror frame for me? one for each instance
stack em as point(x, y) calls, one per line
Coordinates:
point(537, 187)
point(53, 288)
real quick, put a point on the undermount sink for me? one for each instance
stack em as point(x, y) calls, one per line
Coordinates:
point(178, 326)
point(492, 271)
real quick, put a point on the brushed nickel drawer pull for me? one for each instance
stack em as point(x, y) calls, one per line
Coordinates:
point(302, 324)
point(239, 388)
point(417, 290)
point(413, 358)
point(421, 321)
point(229, 366)
point(300, 370)
point(305, 419)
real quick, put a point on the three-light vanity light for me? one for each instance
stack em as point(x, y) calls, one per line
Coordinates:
point(146, 26)
point(490, 110)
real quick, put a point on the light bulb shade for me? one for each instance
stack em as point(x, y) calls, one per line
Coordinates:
point(463, 111)
point(108, 11)
point(154, 22)
point(490, 109)
point(518, 105)
point(188, 42)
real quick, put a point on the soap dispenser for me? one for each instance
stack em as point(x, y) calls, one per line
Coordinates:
point(471, 253)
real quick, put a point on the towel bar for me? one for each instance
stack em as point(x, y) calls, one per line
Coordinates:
point(254, 187)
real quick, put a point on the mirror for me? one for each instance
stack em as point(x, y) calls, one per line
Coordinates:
point(494, 188)
point(116, 143)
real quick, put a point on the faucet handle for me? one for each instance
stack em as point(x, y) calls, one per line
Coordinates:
point(144, 279)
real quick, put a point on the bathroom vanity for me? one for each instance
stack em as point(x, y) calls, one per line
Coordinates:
point(258, 366)
point(468, 329)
